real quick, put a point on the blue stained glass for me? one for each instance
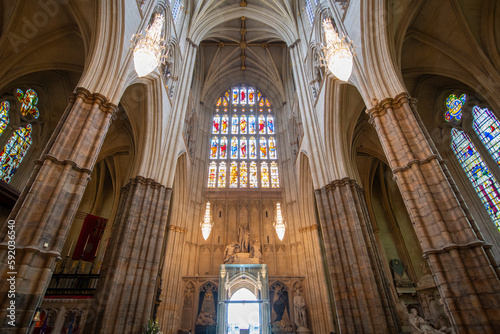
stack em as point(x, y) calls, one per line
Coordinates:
point(309, 11)
point(176, 10)
point(454, 106)
point(484, 182)
point(4, 115)
point(487, 128)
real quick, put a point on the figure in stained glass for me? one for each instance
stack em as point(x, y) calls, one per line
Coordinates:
point(487, 127)
point(243, 125)
point(262, 125)
point(234, 148)
point(233, 176)
point(215, 124)
point(234, 125)
point(223, 147)
point(251, 96)
point(224, 124)
point(263, 148)
point(219, 102)
point(214, 146)
point(253, 150)
point(264, 175)
point(272, 148)
point(28, 102)
point(243, 96)
point(454, 107)
point(251, 120)
point(243, 148)
point(222, 175)
point(275, 182)
point(4, 115)
point(212, 172)
point(235, 96)
point(253, 175)
point(270, 124)
point(243, 175)
point(14, 152)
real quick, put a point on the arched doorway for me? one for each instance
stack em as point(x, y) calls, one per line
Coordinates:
point(243, 313)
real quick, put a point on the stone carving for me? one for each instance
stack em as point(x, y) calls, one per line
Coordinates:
point(425, 268)
point(230, 252)
point(188, 294)
point(256, 250)
point(299, 307)
point(244, 238)
point(419, 326)
point(207, 315)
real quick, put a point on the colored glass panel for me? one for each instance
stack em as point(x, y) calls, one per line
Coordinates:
point(263, 148)
point(261, 102)
point(268, 104)
point(235, 96)
point(223, 147)
point(233, 176)
point(261, 109)
point(14, 152)
point(28, 102)
point(4, 115)
point(275, 181)
point(253, 148)
point(484, 182)
point(234, 125)
point(243, 124)
point(264, 175)
point(243, 148)
point(454, 106)
point(243, 175)
point(309, 10)
point(487, 128)
point(216, 124)
point(262, 125)
point(212, 174)
point(176, 10)
point(222, 175)
point(213, 148)
point(219, 102)
point(243, 96)
point(270, 124)
point(272, 148)
point(251, 124)
point(224, 124)
point(251, 96)
point(234, 148)
point(253, 175)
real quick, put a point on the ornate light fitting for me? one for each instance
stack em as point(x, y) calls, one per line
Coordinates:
point(338, 55)
point(148, 49)
point(279, 224)
point(206, 223)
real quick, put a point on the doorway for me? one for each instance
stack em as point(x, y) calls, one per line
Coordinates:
point(243, 313)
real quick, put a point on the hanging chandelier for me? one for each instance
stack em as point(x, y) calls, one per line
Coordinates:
point(279, 224)
point(149, 47)
point(206, 223)
point(338, 55)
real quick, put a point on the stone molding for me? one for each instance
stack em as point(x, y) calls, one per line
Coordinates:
point(178, 229)
point(312, 227)
point(381, 107)
point(142, 181)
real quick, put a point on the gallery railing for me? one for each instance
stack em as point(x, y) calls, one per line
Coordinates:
point(72, 285)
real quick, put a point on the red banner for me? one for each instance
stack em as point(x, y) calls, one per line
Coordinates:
point(90, 237)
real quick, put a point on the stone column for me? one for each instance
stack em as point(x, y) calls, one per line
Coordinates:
point(47, 205)
point(361, 291)
point(463, 268)
point(126, 289)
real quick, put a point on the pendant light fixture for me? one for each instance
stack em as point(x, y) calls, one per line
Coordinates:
point(148, 48)
point(338, 55)
point(206, 223)
point(279, 223)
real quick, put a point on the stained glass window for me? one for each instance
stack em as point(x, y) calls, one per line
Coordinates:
point(253, 175)
point(484, 182)
point(222, 175)
point(454, 106)
point(4, 115)
point(176, 9)
point(264, 175)
point(487, 128)
point(243, 175)
point(14, 152)
point(240, 136)
point(275, 181)
point(28, 102)
point(212, 175)
point(233, 176)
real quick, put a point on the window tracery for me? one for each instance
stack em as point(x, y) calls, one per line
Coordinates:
point(243, 142)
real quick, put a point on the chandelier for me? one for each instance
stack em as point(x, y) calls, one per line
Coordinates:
point(206, 223)
point(279, 224)
point(338, 55)
point(148, 49)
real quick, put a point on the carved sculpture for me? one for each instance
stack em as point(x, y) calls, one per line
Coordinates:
point(299, 307)
point(230, 252)
point(244, 238)
point(256, 251)
point(419, 326)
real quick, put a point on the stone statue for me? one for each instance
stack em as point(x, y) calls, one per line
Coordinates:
point(255, 250)
point(299, 307)
point(244, 238)
point(230, 252)
point(419, 326)
point(206, 317)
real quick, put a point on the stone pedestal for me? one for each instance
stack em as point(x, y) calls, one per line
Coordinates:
point(244, 258)
point(127, 284)
point(48, 203)
point(303, 330)
point(463, 267)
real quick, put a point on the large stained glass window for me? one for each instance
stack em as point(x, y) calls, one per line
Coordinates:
point(14, 152)
point(309, 10)
point(243, 141)
point(483, 181)
point(4, 115)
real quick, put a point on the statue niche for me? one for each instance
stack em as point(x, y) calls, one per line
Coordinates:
point(241, 251)
point(206, 321)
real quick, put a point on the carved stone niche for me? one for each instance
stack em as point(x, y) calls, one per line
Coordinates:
point(280, 308)
point(187, 309)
